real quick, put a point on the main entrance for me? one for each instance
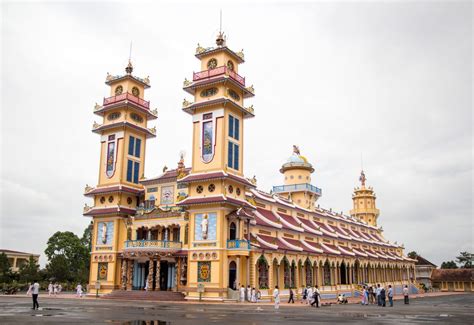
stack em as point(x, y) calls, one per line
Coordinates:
point(163, 277)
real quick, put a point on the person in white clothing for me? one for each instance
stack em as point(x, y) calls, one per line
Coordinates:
point(253, 295)
point(242, 294)
point(79, 290)
point(276, 297)
point(50, 289)
point(310, 296)
point(34, 294)
point(55, 289)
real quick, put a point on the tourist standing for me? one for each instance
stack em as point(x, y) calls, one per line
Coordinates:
point(258, 295)
point(50, 289)
point(377, 295)
point(34, 294)
point(405, 295)
point(242, 293)
point(370, 295)
point(276, 297)
point(316, 297)
point(79, 290)
point(364, 296)
point(249, 293)
point(55, 289)
point(304, 295)
point(253, 295)
point(390, 295)
point(382, 296)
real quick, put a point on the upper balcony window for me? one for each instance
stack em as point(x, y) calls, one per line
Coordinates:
point(212, 63)
point(209, 92)
point(118, 90)
point(234, 127)
point(135, 92)
point(230, 65)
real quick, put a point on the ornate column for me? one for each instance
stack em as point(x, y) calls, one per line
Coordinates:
point(151, 270)
point(270, 276)
point(130, 275)
point(123, 274)
point(158, 284)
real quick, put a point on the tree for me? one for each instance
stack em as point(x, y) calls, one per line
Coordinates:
point(449, 265)
point(465, 259)
point(29, 271)
point(4, 268)
point(413, 255)
point(68, 257)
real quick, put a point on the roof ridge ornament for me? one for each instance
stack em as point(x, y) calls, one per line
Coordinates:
point(362, 178)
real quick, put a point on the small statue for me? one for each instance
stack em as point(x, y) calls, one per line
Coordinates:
point(155, 112)
point(220, 40)
point(254, 180)
point(204, 227)
point(153, 130)
point(109, 77)
point(296, 150)
point(250, 108)
point(362, 178)
point(95, 125)
point(186, 82)
point(88, 188)
point(200, 49)
point(165, 168)
point(147, 80)
point(251, 89)
point(186, 103)
point(240, 54)
point(97, 106)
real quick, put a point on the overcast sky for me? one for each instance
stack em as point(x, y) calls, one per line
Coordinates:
point(389, 80)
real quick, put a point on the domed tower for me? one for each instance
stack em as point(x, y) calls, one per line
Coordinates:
point(297, 171)
point(364, 208)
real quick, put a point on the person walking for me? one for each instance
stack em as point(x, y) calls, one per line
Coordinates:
point(276, 297)
point(253, 295)
point(50, 289)
point(310, 296)
point(79, 290)
point(242, 293)
point(405, 295)
point(292, 296)
point(370, 295)
point(390, 295)
point(316, 297)
point(55, 289)
point(248, 293)
point(377, 295)
point(34, 294)
point(304, 295)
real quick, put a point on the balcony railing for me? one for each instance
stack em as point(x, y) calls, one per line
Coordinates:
point(153, 244)
point(217, 72)
point(297, 187)
point(129, 97)
point(238, 244)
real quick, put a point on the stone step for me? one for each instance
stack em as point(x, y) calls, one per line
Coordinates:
point(145, 295)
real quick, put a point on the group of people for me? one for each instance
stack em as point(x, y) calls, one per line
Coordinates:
point(379, 295)
point(310, 296)
point(54, 289)
point(249, 294)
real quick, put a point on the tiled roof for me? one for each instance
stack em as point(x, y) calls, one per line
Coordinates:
point(439, 275)
point(215, 175)
point(169, 174)
point(420, 260)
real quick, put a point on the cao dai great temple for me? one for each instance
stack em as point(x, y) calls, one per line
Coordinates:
point(206, 229)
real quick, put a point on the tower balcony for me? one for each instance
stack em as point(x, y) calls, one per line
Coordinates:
point(127, 97)
point(297, 188)
point(143, 245)
point(206, 74)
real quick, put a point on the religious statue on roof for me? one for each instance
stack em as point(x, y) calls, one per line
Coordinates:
point(362, 178)
point(296, 150)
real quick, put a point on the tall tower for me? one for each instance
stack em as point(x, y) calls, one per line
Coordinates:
point(123, 134)
point(363, 199)
point(297, 171)
point(217, 187)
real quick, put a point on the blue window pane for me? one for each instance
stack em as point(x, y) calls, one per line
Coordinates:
point(129, 170)
point(135, 172)
point(229, 155)
point(138, 143)
point(231, 126)
point(236, 129)
point(236, 156)
point(131, 144)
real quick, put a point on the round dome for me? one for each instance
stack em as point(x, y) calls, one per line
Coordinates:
point(296, 159)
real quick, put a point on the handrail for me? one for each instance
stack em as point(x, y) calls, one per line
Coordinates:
point(126, 96)
point(238, 244)
point(297, 187)
point(216, 72)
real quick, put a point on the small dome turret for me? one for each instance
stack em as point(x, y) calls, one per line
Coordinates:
point(296, 161)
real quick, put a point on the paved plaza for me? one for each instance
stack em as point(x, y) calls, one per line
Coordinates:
point(440, 309)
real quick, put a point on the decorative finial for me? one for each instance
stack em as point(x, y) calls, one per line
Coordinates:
point(362, 178)
point(296, 150)
point(165, 168)
point(129, 68)
point(181, 167)
point(220, 40)
point(200, 49)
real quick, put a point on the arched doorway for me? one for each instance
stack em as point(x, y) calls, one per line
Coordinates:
point(232, 275)
point(286, 273)
point(232, 231)
point(342, 272)
point(356, 272)
point(327, 273)
point(308, 270)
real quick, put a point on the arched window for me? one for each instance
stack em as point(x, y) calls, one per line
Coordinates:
point(232, 231)
point(309, 273)
point(327, 273)
point(262, 267)
point(343, 273)
point(233, 275)
point(286, 273)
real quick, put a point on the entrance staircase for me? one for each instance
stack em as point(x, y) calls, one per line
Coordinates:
point(145, 295)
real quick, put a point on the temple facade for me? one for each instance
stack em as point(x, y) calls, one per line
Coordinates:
point(205, 230)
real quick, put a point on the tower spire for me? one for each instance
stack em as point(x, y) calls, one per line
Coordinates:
point(220, 40)
point(129, 68)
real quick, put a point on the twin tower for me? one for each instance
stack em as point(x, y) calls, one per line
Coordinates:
point(216, 184)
